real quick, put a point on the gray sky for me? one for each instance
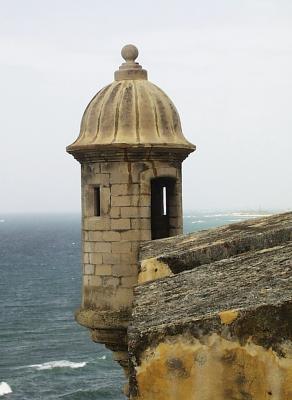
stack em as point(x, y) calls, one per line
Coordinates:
point(227, 65)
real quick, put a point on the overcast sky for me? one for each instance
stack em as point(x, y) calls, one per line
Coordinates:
point(227, 65)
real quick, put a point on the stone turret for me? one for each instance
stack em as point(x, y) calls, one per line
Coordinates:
point(131, 149)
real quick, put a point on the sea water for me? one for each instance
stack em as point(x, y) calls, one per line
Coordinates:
point(44, 353)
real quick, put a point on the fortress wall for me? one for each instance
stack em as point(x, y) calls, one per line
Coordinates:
point(220, 330)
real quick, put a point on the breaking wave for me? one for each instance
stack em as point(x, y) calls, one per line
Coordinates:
point(58, 364)
point(4, 388)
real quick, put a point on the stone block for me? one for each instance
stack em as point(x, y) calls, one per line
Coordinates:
point(124, 297)
point(145, 187)
point(141, 223)
point(88, 247)
point(106, 167)
point(120, 175)
point(88, 269)
point(119, 189)
point(96, 168)
point(95, 258)
point(124, 189)
point(120, 178)
point(97, 223)
point(104, 200)
point(135, 212)
point(94, 236)
point(97, 247)
point(121, 201)
point(134, 235)
point(109, 258)
point(100, 179)
point(115, 212)
point(103, 269)
point(94, 280)
point(90, 169)
point(98, 297)
point(128, 212)
point(87, 200)
point(129, 281)
point(139, 169)
point(111, 236)
point(85, 236)
point(110, 281)
point(167, 171)
point(85, 280)
point(93, 178)
point(121, 247)
point(115, 168)
point(85, 257)
point(145, 212)
point(101, 247)
point(131, 200)
point(144, 200)
point(129, 258)
point(125, 270)
point(120, 224)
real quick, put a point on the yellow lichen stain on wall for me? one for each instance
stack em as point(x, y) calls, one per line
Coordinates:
point(213, 368)
point(152, 269)
point(228, 316)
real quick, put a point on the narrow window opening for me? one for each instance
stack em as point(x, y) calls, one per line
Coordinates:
point(164, 200)
point(97, 201)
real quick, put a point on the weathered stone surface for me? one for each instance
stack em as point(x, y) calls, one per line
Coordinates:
point(242, 282)
point(189, 251)
point(220, 330)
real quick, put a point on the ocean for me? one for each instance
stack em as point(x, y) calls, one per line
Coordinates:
point(44, 353)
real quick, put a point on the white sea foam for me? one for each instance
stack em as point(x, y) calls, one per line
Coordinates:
point(198, 222)
point(58, 364)
point(249, 215)
point(101, 358)
point(4, 388)
point(216, 215)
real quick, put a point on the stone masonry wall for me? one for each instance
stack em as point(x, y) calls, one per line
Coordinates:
point(111, 241)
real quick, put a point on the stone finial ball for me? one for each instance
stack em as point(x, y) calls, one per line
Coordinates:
point(129, 52)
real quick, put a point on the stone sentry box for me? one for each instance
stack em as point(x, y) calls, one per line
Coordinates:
point(111, 240)
point(131, 148)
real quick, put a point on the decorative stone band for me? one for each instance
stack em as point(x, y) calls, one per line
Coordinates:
point(107, 327)
point(130, 74)
point(102, 319)
point(105, 153)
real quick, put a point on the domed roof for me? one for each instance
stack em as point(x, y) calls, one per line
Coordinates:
point(130, 112)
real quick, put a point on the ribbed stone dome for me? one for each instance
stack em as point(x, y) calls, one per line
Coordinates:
point(130, 112)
